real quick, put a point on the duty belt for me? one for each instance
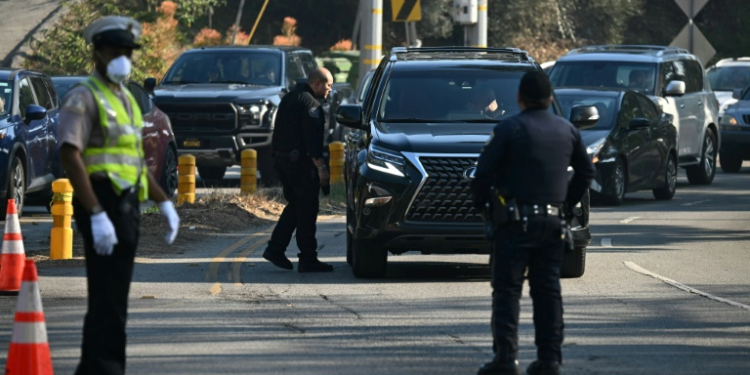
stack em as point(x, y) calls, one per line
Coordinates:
point(529, 210)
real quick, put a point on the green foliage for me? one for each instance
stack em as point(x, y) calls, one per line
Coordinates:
point(189, 11)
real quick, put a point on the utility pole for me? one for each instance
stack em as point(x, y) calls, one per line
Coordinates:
point(371, 36)
point(237, 20)
point(476, 34)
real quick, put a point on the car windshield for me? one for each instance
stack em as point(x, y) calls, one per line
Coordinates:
point(64, 84)
point(613, 74)
point(729, 78)
point(606, 105)
point(240, 67)
point(462, 94)
point(6, 97)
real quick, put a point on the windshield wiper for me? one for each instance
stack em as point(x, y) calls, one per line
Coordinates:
point(407, 119)
point(231, 81)
point(178, 82)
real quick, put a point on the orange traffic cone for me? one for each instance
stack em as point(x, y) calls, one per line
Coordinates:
point(29, 350)
point(13, 253)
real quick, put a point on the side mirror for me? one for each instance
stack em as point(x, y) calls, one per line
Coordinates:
point(639, 123)
point(149, 84)
point(737, 93)
point(675, 88)
point(584, 116)
point(350, 115)
point(34, 112)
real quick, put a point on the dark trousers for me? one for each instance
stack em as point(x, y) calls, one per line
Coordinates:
point(301, 187)
point(108, 277)
point(539, 249)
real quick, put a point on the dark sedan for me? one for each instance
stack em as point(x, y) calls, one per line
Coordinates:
point(633, 146)
point(158, 138)
point(735, 133)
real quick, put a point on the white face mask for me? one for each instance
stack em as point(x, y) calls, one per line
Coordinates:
point(118, 69)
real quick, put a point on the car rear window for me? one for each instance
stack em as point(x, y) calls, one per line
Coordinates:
point(613, 74)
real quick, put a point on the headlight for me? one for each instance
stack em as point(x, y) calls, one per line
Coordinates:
point(728, 119)
point(250, 114)
point(594, 148)
point(386, 161)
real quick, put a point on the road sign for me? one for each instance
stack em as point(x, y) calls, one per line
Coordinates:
point(406, 10)
point(697, 6)
point(691, 37)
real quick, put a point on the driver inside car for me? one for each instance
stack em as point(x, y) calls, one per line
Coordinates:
point(483, 99)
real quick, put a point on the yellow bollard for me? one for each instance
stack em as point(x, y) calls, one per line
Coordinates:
point(336, 161)
point(186, 179)
point(61, 237)
point(249, 171)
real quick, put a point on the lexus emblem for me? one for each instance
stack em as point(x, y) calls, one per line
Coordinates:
point(469, 173)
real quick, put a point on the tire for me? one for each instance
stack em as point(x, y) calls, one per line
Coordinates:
point(168, 180)
point(730, 163)
point(368, 261)
point(16, 186)
point(212, 173)
point(574, 263)
point(349, 237)
point(667, 191)
point(268, 176)
point(620, 185)
point(704, 172)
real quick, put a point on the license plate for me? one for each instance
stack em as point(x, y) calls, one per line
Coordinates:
point(191, 143)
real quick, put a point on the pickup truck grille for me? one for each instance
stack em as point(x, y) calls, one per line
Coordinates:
point(445, 196)
point(199, 117)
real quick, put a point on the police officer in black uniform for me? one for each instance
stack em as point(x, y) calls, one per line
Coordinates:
point(522, 173)
point(298, 157)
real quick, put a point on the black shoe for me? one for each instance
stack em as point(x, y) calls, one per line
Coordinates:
point(539, 367)
point(499, 368)
point(313, 265)
point(278, 259)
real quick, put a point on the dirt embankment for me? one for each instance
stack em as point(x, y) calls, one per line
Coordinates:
point(211, 214)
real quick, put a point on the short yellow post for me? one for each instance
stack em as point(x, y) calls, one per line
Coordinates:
point(186, 179)
point(249, 171)
point(336, 161)
point(61, 238)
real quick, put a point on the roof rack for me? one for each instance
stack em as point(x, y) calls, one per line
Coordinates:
point(514, 51)
point(660, 50)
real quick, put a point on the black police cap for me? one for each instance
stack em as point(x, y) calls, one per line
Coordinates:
point(535, 86)
point(120, 38)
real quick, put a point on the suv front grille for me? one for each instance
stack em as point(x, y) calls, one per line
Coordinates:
point(445, 196)
point(200, 117)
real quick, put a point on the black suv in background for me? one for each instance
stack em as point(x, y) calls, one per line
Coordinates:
point(222, 100)
point(414, 146)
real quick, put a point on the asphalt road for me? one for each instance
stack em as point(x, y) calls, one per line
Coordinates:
point(21, 20)
point(218, 308)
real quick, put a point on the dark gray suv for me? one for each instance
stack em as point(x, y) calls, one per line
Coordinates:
point(672, 77)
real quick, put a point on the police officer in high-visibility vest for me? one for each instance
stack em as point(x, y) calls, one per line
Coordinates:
point(102, 153)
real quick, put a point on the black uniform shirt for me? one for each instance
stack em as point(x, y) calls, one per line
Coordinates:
point(300, 123)
point(528, 155)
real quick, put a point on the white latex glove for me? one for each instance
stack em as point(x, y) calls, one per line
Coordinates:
point(170, 214)
point(104, 234)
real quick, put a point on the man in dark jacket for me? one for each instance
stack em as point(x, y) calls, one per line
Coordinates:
point(298, 156)
point(526, 160)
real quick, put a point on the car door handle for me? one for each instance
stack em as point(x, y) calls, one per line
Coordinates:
point(682, 105)
point(700, 102)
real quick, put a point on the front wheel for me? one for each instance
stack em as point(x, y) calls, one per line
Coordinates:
point(666, 192)
point(368, 261)
point(730, 163)
point(704, 172)
point(168, 179)
point(574, 263)
point(16, 187)
point(619, 182)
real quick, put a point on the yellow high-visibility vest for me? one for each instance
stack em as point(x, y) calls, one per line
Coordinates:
point(121, 157)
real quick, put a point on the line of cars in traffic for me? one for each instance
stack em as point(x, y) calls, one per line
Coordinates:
point(29, 161)
point(416, 132)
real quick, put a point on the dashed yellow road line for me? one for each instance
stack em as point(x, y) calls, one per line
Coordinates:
point(240, 259)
